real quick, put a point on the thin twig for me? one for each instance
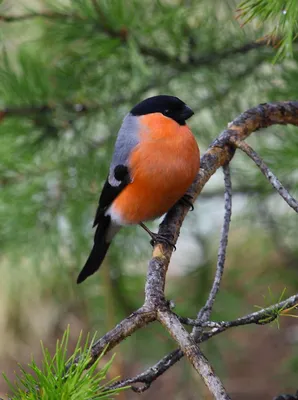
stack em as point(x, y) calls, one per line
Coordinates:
point(292, 202)
point(151, 374)
point(196, 322)
point(205, 312)
point(261, 317)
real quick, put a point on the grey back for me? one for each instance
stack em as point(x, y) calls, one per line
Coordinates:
point(127, 139)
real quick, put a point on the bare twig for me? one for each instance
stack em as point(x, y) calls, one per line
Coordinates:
point(205, 312)
point(151, 374)
point(261, 317)
point(266, 171)
point(197, 322)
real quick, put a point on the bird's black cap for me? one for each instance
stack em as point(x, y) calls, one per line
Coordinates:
point(169, 106)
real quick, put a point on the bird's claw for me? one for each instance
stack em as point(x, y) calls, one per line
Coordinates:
point(187, 200)
point(157, 238)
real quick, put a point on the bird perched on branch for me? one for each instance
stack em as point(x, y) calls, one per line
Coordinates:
point(155, 160)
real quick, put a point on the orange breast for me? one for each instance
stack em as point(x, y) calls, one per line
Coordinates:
point(163, 166)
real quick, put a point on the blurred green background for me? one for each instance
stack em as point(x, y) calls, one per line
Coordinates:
point(68, 76)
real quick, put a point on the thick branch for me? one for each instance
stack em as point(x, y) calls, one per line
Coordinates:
point(219, 154)
point(121, 331)
point(125, 328)
point(192, 351)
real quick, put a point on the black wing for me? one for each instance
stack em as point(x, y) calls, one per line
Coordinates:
point(110, 192)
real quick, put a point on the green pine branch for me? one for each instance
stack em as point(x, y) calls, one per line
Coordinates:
point(53, 381)
point(97, 21)
point(283, 15)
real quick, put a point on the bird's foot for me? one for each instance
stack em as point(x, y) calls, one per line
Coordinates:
point(156, 237)
point(187, 200)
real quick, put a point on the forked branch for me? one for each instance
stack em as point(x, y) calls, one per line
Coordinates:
point(155, 307)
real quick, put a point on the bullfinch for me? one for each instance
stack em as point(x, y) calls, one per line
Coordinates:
point(156, 159)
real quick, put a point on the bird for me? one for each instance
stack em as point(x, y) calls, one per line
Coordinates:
point(156, 158)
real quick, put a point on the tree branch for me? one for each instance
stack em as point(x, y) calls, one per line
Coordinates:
point(125, 328)
point(155, 306)
point(205, 312)
point(268, 174)
point(192, 351)
point(261, 317)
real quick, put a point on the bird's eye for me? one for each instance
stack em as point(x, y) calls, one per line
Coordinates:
point(166, 111)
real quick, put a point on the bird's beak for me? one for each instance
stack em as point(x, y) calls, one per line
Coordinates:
point(186, 112)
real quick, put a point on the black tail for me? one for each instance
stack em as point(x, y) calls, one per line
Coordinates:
point(98, 252)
